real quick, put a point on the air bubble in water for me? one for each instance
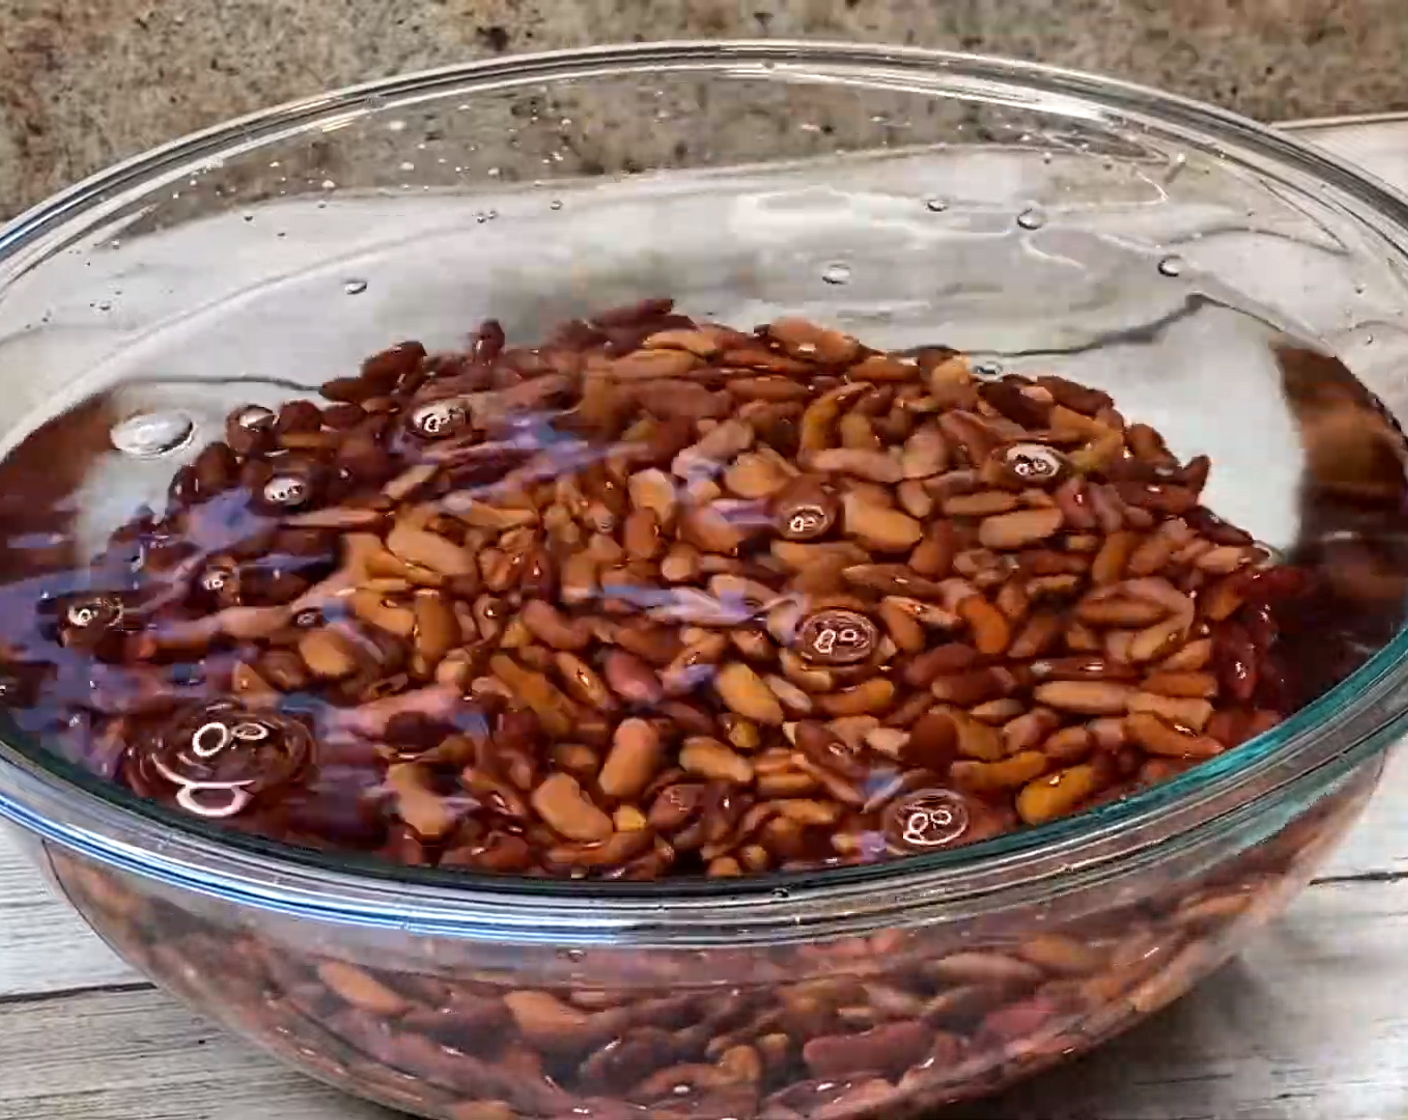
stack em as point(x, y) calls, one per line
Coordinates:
point(837, 273)
point(150, 434)
point(354, 287)
point(935, 205)
point(1171, 266)
point(1031, 218)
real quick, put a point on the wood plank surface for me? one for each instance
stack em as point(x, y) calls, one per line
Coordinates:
point(44, 945)
point(1309, 1024)
point(136, 1055)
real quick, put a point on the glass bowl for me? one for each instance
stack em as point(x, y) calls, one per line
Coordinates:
point(1041, 220)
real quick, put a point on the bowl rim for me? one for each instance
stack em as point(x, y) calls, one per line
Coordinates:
point(92, 816)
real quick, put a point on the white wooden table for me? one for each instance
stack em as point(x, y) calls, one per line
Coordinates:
point(1309, 1024)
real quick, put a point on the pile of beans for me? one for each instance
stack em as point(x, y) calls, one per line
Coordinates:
point(660, 597)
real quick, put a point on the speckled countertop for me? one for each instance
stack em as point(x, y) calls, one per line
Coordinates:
point(85, 82)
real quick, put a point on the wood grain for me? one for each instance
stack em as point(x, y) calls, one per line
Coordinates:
point(138, 1056)
point(44, 945)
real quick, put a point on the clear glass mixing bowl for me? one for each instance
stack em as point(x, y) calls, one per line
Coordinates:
point(1041, 219)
